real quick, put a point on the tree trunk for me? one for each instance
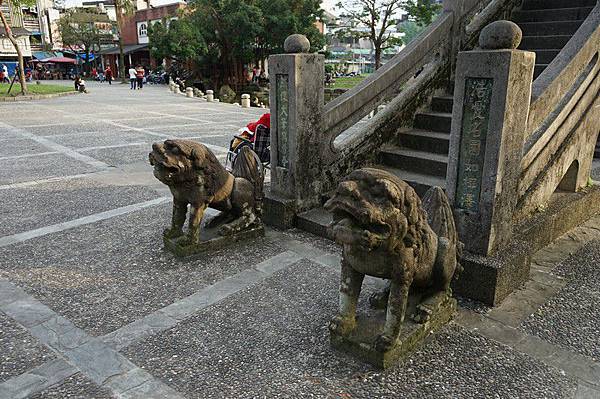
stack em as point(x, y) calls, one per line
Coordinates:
point(14, 42)
point(377, 57)
point(119, 12)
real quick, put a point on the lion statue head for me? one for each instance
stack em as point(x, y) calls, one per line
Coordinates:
point(372, 207)
point(186, 162)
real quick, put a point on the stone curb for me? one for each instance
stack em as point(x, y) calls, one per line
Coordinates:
point(37, 97)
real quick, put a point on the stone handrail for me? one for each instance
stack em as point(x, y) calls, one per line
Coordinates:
point(561, 98)
point(308, 160)
point(432, 52)
point(491, 12)
point(358, 102)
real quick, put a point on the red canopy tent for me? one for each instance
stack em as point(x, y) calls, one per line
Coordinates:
point(60, 60)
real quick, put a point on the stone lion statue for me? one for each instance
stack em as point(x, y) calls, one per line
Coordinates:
point(197, 178)
point(387, 232)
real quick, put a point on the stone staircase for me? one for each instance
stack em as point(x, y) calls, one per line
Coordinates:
point(548, 25)
point(420, 157)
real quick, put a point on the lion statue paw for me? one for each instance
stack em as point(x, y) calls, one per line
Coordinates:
point(172, 233)
point(342, 325)
point(383, 343)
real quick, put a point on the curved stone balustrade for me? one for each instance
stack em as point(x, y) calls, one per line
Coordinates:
point(564, 98)
point(406, 82)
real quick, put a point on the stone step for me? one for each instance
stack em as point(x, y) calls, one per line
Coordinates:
point(539, 68)
point(550, 28)
point(424, 140)
point(442, 104)
point(434, 121)
point(422, 162)
point(544, 42)
point(545, 56)
point(557, 14)
point(315, 221)
point(550, 4)
point(419, 181)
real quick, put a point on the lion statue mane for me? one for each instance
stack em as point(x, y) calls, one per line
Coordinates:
point(387, 231)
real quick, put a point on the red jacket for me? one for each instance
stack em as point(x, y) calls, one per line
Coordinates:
point(265, 119)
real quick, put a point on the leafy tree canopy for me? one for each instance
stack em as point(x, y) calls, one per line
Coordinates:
point(177, 39)
point(222, 36)
point(378, 17)
point(422, 12)
point(85, 28)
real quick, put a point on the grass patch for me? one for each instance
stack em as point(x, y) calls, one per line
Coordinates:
point(347, 82)
point(32, 88)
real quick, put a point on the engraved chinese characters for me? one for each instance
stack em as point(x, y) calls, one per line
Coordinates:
point(478, 93)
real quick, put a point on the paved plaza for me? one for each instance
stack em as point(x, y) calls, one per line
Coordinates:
point(91, 306)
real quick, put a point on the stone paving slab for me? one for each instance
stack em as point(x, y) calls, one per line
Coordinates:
point(263, 342)
point(75, 387)
point(28, 208)
point(39, 168)
point(19, 350)
point(108, 274)
point(102, 364)
point(37, 379)
point(570, 319)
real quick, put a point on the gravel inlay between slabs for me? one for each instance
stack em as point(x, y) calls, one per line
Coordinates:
point(19, 147)
point(108, 274)
point(271, 340)
point(570, 319)
point(26, 169)
point(97, 139)
point(124, 155)
point(76, 386)
point(42, 205)
point(19, 350)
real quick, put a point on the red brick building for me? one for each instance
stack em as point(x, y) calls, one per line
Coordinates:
point(135, 36)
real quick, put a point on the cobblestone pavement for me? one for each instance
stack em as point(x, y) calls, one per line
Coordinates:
point(92, 307)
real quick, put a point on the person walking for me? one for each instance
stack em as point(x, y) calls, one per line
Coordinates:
point(139, 74)
point(109, 75)
point(5, 78)
point(132, 77)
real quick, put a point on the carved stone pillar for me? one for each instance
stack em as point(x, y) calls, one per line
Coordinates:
point(296, 101)
point(491, 105)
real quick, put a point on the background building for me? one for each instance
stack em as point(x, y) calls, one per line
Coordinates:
point(135, 34)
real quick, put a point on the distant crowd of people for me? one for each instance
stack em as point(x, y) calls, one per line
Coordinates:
point(258, 76)
point(5, 76)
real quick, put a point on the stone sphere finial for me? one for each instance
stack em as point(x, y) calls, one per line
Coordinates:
point(500, 35)
point(296, 43)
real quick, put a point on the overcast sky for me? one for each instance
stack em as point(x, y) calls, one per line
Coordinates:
point(329, 5)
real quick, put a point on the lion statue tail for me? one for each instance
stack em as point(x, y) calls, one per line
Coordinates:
point(441, 219)
point(247, 165)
